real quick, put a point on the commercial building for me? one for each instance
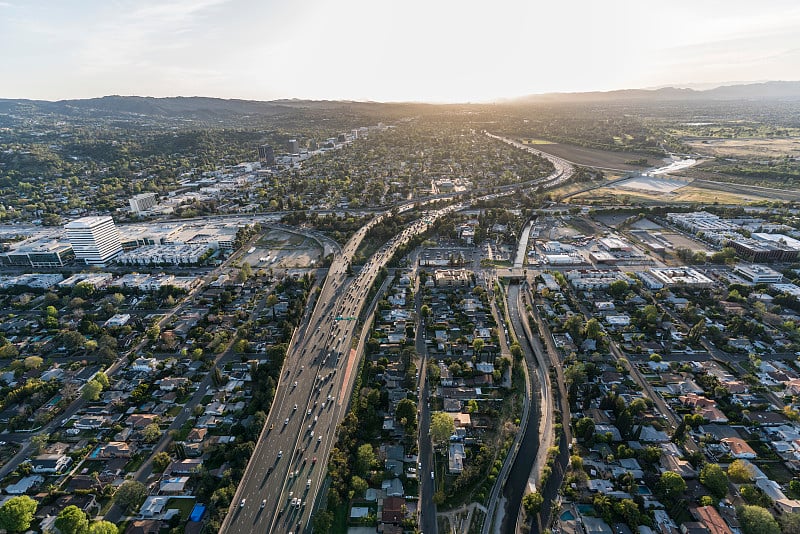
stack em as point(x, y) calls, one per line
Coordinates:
point(294, 146)
point(758, 274)
point(266, 155)
point(593, 278)
point(95, 240)
point(763, 250)
point(685, 276)
point(164, 254)
point(142, 202)
point(452, 277)
point(701, 221)
point(38, 253)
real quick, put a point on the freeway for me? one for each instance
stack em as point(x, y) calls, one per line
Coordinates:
point(286, 471)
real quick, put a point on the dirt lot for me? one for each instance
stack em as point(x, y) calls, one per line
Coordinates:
point(284, 250)
point(699, 191)
point(591, 157)
point(746, 148)
point(681, 241)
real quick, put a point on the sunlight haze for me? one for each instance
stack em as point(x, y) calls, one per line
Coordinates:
point(441, 51)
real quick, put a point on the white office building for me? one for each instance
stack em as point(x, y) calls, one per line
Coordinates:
point(95, 240)
point(142, 202)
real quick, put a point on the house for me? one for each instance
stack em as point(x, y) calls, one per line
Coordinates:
point(144, 365)
point(144, 526)
point(739, 448)
point(765, 418)
point(141, 420)
point(455, 458)
point(710, 519)
point(24, 485)
point(393, 510)
point(196, 435)
point(189, 466)
point(116, 449)
point(90, 422)
point(173, 485)
point(172, 383)
point(393, 487)
point(50, 463)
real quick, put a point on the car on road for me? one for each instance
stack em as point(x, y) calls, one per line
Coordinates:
point(308, 483)
point(295, 408)
point(263, 503)
point(286, 421)
point(241, 504)
point(431, 475)
point(280, 454)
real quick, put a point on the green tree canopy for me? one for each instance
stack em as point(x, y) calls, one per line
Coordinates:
point(442, 427)
point(757, 520)
point(16, 514)
point(151, 433)
point(365, 459)
point(72, 520)
point(130, 494)
point(103, 527)
point(161, 461)
point(532, 503)
point(92, 390)
point(670, 486)
point(741, 472)
point(715, 480)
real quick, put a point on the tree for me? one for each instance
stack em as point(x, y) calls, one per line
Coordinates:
point(741, 472)
point(442, 427)
point(532, 503)
point(477, 345)
point(245, 272)
point(365, 459)
point(130, 494)
point(629, 511)
point(92, 390)
point(618, 288)
point(359, 485)
point(103, 527)
point(323, 520)
point(757, 520)
point(72, 520)
point(715, 480)
point(33, 362)
point(16, 514)
point(790, 523)
point(584, 428)
point(161, 461)
point(406, 414)
point(102, 379)
point(670, 486)
point(39, 441)
point(272, 301)
point(151, 433)
point(593, 329)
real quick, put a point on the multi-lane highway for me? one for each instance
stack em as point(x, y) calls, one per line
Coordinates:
point(287, 468)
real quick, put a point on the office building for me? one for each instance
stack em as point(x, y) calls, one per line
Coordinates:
point(95, 240)
point(266, 155)
point(40, 253)
point(142, 202)
point(294, 146)
point(758, 274)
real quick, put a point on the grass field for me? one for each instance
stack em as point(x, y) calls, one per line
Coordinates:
point(688, 194)
point(591, 157)
point(746, 148)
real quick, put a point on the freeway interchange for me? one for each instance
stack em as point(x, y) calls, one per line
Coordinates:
point(286, 472)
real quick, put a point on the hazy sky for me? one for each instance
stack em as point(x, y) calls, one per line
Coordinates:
point(430, 50)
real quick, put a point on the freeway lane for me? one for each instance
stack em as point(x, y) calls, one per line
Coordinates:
point(286, 470)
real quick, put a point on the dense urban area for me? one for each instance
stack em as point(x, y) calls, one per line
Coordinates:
point(576, 316)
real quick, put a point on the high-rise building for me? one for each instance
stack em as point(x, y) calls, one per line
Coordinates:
point(95, 240)
point(266, 155)
point(294, 146)
point(142, 202)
